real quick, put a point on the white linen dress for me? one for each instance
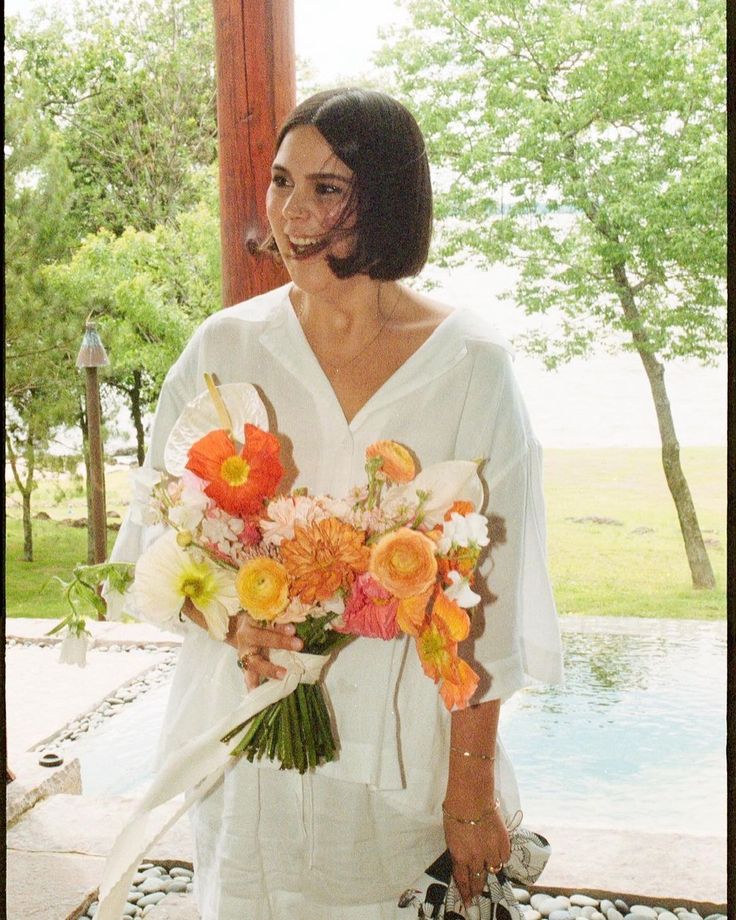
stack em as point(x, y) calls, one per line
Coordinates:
point(345, 840)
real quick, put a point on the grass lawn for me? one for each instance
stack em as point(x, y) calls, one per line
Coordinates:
point(636, 567)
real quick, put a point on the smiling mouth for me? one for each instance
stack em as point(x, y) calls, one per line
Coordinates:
point(302, 247)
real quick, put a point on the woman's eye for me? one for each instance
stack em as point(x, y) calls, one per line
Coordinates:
point(325, 188)
point(279, 181)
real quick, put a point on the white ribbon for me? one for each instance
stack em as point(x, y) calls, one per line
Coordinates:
point(195, 767)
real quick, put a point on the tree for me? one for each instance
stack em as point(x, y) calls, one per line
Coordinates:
point(41, 392)
point(132, 90)
point(602, 125)
point(148, 291)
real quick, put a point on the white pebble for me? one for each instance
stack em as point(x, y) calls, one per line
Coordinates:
point(149, 885)
point(521, 894)
point(532, 914)
point(558, 903)
point(130, 910)
point(560, 915)
point(614, 914)
point(643, 911)
point(153, 898)
point(153, 871)
point(182, 872)
point(588, 912)
point(576, 911)
point(582, 900)
point(665, 914)
point(537, 900)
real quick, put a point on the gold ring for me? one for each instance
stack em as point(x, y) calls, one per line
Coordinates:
point(243, 661)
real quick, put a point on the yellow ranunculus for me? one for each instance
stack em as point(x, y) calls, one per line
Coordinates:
point(263, 588)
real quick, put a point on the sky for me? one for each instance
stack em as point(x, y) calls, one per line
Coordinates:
point(336, 38)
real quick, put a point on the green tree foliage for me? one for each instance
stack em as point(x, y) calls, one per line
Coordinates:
point(584, 142)
point(148, 290)
point(133, 89)
point(41, 391)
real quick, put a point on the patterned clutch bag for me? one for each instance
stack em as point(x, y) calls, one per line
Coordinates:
point(435, 895)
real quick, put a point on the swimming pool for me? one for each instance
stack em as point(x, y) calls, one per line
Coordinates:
point(635, 740)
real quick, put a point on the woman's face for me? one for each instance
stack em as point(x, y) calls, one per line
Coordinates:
point(310, 188)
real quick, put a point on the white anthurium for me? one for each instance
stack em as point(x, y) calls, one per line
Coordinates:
point(463, 530)
point(167, 574)
point(200, 416)
point(460, 591)
point(445, 483)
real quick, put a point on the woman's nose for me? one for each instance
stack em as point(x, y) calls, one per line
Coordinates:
point(294, 206)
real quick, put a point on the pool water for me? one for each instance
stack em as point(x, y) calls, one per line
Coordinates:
point(636, 740)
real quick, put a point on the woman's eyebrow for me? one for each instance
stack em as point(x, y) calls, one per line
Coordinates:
point(276, 167)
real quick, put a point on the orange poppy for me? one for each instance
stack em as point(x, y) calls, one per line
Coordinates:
point(453, 619)
point(238, 482)
point(323, 557)
point(457, 692)
point(437, 652)
point(411, 612)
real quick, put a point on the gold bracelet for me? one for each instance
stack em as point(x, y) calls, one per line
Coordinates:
point(488, 757)
point(479, 820)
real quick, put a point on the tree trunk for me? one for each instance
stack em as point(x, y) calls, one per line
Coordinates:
point(135, 411)
point(25, 489)
point(697, 555)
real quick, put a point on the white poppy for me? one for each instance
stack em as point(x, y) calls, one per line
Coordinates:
point(166, 575)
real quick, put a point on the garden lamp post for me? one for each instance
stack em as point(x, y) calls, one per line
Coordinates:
point(91, 356)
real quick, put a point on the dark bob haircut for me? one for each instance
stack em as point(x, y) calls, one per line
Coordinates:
point(380, 141)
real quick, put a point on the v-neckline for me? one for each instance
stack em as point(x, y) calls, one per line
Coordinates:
point(414, 358)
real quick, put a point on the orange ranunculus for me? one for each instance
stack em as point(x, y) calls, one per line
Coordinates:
point(238, 482)
point(453, 619)
point(397, 464)
point(411, 611)
point(403, 561)
point(437, 652)
point(456, 692)
point(263, 588)
point(323, 557)
point(459, 508)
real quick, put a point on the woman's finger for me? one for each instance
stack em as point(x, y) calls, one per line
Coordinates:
point(271, 637)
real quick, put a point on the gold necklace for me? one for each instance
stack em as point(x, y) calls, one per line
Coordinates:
point(336, 368)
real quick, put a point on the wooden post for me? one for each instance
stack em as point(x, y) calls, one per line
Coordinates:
point(98, 523)
point(256, 89)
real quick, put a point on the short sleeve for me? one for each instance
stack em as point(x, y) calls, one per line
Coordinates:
point(515, 637)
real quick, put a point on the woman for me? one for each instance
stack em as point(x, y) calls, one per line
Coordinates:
point(343, 356)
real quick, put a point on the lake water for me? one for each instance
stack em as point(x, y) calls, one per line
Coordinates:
point(635, 740)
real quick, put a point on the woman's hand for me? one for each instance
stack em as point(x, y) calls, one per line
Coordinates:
point(252, 643)
point(476, 850)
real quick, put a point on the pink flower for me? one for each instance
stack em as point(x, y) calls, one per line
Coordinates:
point(370, 610)
point(250, 535)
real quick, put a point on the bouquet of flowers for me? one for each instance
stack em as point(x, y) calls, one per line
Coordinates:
point(397, 555)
